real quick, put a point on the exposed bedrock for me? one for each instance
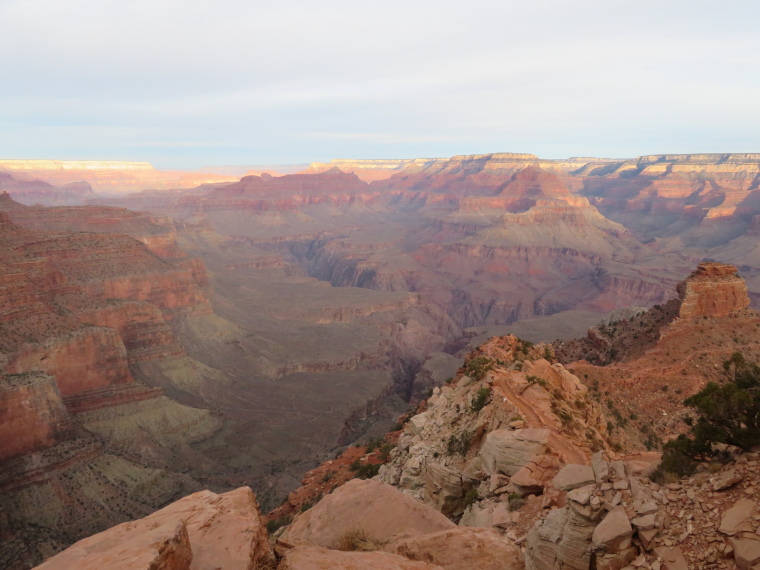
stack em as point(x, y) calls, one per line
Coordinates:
point(32, 413)
point(713, 289)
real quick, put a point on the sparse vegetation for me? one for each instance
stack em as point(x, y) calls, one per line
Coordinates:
point(471, 496)
point(458, 444)
point(477, 367)
point(727, 413)
point(357, 540)
point(515, 501)
point(480, 399)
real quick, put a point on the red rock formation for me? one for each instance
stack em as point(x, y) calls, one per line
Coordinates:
point(81, 360)
point(32, 414)
point(82, 306)
point(108, 176)
point(713, 289)
point(214, 531)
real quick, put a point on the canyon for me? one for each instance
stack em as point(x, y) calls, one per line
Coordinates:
point(515, 463)
point(210, 332)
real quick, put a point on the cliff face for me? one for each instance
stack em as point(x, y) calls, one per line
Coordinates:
point(32, 414)
point(82, 306)
point(713, 289)
point(106, 176)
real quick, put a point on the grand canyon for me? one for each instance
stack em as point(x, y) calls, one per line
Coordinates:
point(464, 362)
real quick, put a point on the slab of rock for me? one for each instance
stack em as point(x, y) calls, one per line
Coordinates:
point(562, 539)
point(225, 530)
point(129, 546)
point(614, 533)
point(377, 508)
point(317, 558)
point(725, 480)
point(536, 474)
point(746, 552)
point(445, 488)
point(574, 476)
point(600, 466)
point(672, 558)
point(462, 548)
point(507, 451)
point(222, 531)
point(645, 522)
point(735, 516)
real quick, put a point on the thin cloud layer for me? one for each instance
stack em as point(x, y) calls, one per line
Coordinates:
point(190, 83)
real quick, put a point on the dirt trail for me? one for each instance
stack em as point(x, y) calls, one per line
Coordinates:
point(566, 450)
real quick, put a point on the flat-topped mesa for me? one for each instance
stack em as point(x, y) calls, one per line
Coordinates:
point(713, 289)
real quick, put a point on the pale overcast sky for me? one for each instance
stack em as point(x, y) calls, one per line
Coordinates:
point(185, 83)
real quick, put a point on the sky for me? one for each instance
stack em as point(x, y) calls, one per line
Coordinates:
point(187, 83)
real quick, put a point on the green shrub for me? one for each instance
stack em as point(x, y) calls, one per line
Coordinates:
point(480, 399)
point(727, 413)
point(458, 443)
point(477, 367)
point(470, 497)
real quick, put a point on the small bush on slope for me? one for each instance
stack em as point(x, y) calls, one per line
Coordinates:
point(728, 413)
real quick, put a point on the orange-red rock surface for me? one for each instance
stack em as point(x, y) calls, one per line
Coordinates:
point(201, 531)
point(107, 176)
point(80, 307)
point(714, 290)
point(32, 414)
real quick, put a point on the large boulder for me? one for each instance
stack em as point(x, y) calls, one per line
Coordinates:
point(306, 557)
point(461, 548)
point(376, 508)
point(214, 531)
point(445, 488)
point(507, 451)
point(129, 546)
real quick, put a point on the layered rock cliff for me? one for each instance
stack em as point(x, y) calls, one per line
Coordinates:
point(713, 290)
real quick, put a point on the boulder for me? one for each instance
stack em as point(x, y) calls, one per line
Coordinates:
point(672, 558)
point(614, 533)
point(735, 516)
point(211, 530)
point(600, 466)
point(225, 530)
point(462, 548)
point(129, 546)
point(536, 474)
point(562, 539)
point(574, 476)
point(746, 552)
point(445, 488)
point(727, 479)
point(507, 451)
point(317, 558)
point(377, 508)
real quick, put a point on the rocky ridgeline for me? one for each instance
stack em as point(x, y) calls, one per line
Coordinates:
point(712, 290)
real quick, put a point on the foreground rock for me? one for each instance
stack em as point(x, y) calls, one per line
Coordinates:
point(129, 546)
point(201, 531)
point(376, 508)
point(461, 549)
point(317, 558)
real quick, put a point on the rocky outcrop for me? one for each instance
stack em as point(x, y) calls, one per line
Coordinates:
point(508, 433)
point(32, 414)
point(317, 558)
point(200, 531)
point(714, 290)
point(377, 508)
point(462, 548)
